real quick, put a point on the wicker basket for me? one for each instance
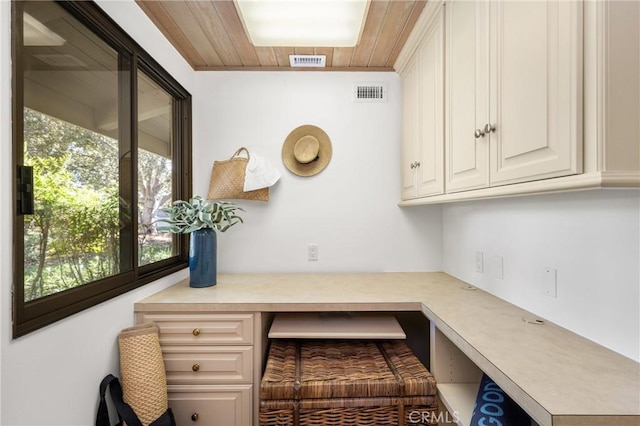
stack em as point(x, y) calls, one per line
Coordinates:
point(345, 382)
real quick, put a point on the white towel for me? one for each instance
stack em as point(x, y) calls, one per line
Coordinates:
point(259, 174)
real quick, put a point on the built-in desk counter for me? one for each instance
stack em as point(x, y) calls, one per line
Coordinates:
point(558, 377)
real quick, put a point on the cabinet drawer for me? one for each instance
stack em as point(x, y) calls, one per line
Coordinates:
point(202, 329)
point(208, 364)
point(211, 405)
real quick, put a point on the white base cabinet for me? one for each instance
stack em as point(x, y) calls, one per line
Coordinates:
point(209, 362)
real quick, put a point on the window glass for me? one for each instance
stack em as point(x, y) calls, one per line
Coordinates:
point(155, 175)
point(71, 124)
point(106, 132)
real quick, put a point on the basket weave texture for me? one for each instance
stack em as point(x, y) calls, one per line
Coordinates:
point(142, 373)
point(227, 180)
point(345, 382)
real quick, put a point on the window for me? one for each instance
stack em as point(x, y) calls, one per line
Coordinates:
point(102, 139)
point(155, 152)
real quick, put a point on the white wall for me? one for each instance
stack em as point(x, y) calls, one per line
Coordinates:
point(51, 376)
point(349, 209)
point(591, 238)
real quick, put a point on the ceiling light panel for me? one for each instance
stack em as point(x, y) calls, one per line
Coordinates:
point(38, 34)
point(297, 23)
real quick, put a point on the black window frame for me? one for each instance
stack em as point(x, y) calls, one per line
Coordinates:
point(33, 315)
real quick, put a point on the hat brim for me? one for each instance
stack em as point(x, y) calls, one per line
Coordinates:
point(324, 152)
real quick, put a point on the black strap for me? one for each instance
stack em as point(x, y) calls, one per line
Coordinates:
point(125, 412)
point(102, 419)
point(166, 419)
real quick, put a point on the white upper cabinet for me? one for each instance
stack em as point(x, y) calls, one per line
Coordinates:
point(423, 97)
point(539, 96)
point(535, 88)
point(513, 91)
point(467, 94)
point(410, 128)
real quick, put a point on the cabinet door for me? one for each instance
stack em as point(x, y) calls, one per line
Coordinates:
point(410, 128)
point(467, 105)
point(429, 172)
point(536, 90)
point(423, 93)
point(228, 405)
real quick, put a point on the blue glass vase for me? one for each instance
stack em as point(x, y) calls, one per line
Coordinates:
point(202, 258)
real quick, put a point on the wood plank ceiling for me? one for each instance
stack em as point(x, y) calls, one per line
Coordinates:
point(210, 36)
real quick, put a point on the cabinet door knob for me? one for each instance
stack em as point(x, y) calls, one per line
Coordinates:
point(417, 164)
point(196, 332)
point(196, 367)
point(488, 128)
point(479, 133)
point(194, 417)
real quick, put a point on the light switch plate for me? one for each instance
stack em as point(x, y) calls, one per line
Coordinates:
point(479, 262)
point(312, 252)
point(550, 282)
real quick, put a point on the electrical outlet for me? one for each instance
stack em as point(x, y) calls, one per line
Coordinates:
point(312, 252)
point(479, 262)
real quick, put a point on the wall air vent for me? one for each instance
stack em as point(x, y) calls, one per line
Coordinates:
point(370, 92)
point(308, 61)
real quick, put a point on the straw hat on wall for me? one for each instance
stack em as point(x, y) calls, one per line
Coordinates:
point(307, 150)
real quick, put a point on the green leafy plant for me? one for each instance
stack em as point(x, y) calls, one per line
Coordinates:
point(197, 213)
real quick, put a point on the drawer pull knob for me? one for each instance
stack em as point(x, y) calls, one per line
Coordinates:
point(196, 331)
point(194, 417)
point(196, 367)
point(488, 128)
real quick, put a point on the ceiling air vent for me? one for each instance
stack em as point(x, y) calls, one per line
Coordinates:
point(59, 60)
point(308, 61)
point(370, 92)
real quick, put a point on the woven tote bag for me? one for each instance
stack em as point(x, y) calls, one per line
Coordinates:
point(227, 180)
point(142, 373)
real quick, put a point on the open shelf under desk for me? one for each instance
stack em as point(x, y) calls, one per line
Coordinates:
point(459, 399)
point(311, 325)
